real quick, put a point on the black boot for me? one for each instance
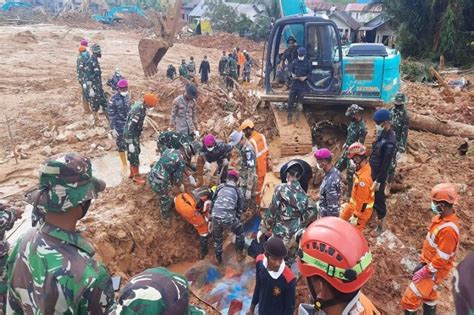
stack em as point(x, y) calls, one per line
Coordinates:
point(429, 309)
point(219, 260)
point(410, 312)
point(203, 247)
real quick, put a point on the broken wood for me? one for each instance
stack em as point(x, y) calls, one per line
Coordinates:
point(441, 81)
point(441, 127)
point(11, 139)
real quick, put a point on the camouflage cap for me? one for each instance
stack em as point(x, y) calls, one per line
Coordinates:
point(96, 49)
point(399, 99)
point(354, 109)
point(65, 182)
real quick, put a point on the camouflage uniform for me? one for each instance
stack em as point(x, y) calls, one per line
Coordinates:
point(116, 77)
point(81, 70)
point(184, 115)
point(7, 219)
point(171, 72)
point(171, 140)
point(231, 71)
point(226, 212)
point(166, 172)
point(118, 112)
point(400, 124)
point(184, 72)
point(223, 66)
point(221, 152)
point(94, 76)
point(248, 173)
point(330, 193)
point(133, 130)
point(191, 68)
point(288, 212)
point(156, 291)
point(51, 270)
point(247, 69)
point(356, 132)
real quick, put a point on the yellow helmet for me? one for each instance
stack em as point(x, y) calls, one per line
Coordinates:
point(247, 123)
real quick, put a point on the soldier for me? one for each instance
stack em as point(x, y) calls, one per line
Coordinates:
point(171, 140)
point(8, 217)
point(118, 112)
point(400, 126)
point(191, 68)
point(51, 269)
point(247, 170)
point(231, 71)
point(330, 189)
point(168, 171)
point(289, 55)
point(356, 132)
point(183, 70)
point(300, 69)
point(226, 213)
point(94, 81)
point(305, 169)
point(287, 213)
point(116, 77)
point(132, 132)
point(171, 72)
point(247, 68)
point(217, 151)
point(81, 70)
point(223, 64)
point(184, 117)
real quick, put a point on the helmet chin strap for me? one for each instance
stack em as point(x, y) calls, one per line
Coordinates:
point(320, 304)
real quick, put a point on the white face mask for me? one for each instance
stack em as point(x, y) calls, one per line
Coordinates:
point(210, 149)
point(379, 128)
point(300, 57)
point(124, 93)
point(352, 164)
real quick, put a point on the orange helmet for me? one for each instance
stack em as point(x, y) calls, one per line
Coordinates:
point(150, 99)
point(356, 148)
point(247, 123)
point(82, 48)
point(324, 251)
point(444, 192)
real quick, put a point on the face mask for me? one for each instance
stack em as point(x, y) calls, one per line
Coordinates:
point(352, 164)
point(318, 166)
point(124, 93)
point(379, 128)
point(434, 208)
point(210, 149)
point(301, 58)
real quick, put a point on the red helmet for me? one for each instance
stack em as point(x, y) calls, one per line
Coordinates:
point(335, 250)
point(444, 192)
point(356, 148)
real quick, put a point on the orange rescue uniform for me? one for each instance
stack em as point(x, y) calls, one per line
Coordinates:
point(438, 253)
point(259, 143)
point(241, 59)
point(362, 198)
point(186, 206)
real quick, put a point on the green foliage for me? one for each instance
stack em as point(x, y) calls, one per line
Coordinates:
point(415, 71)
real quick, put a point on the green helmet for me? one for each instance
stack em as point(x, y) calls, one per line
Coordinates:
point(400, 99)
point(65, 182)
point(353, 109)
point(96, 49)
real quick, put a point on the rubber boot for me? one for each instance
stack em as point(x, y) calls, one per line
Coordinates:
point(380, 228)
point(219, 260)
point(387, 189)
point(123, 159)
point(429, 309)
point(203, 249)
point(166, 220)
point(289, 119)
point(85, 106)
point(407, 312)
point(136, 176)
point(131, 172)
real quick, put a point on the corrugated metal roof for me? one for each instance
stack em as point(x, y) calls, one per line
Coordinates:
point(376, 22)
point(349, 20)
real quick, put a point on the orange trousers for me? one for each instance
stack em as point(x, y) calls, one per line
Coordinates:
point(425, 291)
point(186, 207)
point(348, 211)
point(258, 190)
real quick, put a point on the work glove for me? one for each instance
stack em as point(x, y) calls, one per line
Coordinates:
point(398, 156)
point(84, 86)
point(209, 226)
point(131, 148)
point(192, 181)
point(259, 236)
point(89, 83)
point(376, 186)
point(248, 194)
point(196, 134)
point(421, 274)
point(91, 92)
point(353, 220)
point(181, 188)
point(207, 166)
point(225, 162)
point(115, 134)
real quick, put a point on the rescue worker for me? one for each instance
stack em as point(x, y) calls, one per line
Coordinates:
point(330, 189)
point(240, 61)
point(191, 68)
point(335, 268)
point(171, 72)
point(360, 207)
point(8, 217)
point(84, 42)
point(94, 82)
point(383, 151)
point(226, 213)
point(184, 70)
point(223, 64)
point(171, 140)
point(82, 64)
point(156, 291)
point(259, 144)
point(356, 132)
point(231, 72)
point(305, 170)
point(168, 171)
point(204, 70)
point(300, 69)
point(463, 286)
point(400, 124)
point(184, 117)
point(247, 68)
point(247, 167)
point(216, 151)
point(289, 55)
point(275, 285)
point(118, 113)
point(195, 207)
point(132, 132)
point(438, 253)
point(288, 212)
point(114, 80)
point(51, 269)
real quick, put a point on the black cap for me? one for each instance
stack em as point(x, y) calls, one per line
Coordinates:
point(192, 91)
point(275, 247)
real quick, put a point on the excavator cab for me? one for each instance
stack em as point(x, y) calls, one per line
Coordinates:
point(321, 39)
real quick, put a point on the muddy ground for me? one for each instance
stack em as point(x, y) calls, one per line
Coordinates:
point(41, 98)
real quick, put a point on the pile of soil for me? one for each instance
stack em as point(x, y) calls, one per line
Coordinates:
point(224, 41)
point(26, 37)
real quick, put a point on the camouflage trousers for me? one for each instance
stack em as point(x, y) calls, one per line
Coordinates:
point(249, 204)
point(3, 284)
point(343, 163)
point(162, 189)
point(219, 225)
point(133, 157)
point(391, 170)
point(120, 141)
point(98, 100)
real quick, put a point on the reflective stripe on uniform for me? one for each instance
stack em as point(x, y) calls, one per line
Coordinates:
point(413, 287)
point(430, 238)
point(264, 149)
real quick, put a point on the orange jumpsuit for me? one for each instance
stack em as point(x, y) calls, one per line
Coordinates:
point(439, 248)
point(259, 144)
point(185, 205)
point(362, 198)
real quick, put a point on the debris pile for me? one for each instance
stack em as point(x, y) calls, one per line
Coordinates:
point(21, 16)
point(26, 37)
point(224, 41)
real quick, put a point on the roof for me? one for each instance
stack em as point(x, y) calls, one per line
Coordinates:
point(325, 6)
point(376, 22)
point(362, 7)
point(192, 4)
point(199, 9)
point(346, 18)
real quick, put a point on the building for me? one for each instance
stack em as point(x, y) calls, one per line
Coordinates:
point(346, 24)
point(187, 8)
point(250, 10)
point(362, 12)
point(379, 30)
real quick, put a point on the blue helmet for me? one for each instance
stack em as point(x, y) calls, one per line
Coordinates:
point(301, 51)
point(381, 115)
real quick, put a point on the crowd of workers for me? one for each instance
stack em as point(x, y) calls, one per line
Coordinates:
point(51, 268)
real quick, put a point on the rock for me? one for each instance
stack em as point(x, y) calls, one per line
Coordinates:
point(47, 151)
point(82, 136)
point(47, 134)
point(75, 125)
point(91, 133)
point(61, 138)
point(93, 146)
point(24, 147)
point(100, 131)
point(71, 139)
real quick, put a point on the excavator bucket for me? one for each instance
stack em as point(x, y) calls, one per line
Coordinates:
point(151, 52)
